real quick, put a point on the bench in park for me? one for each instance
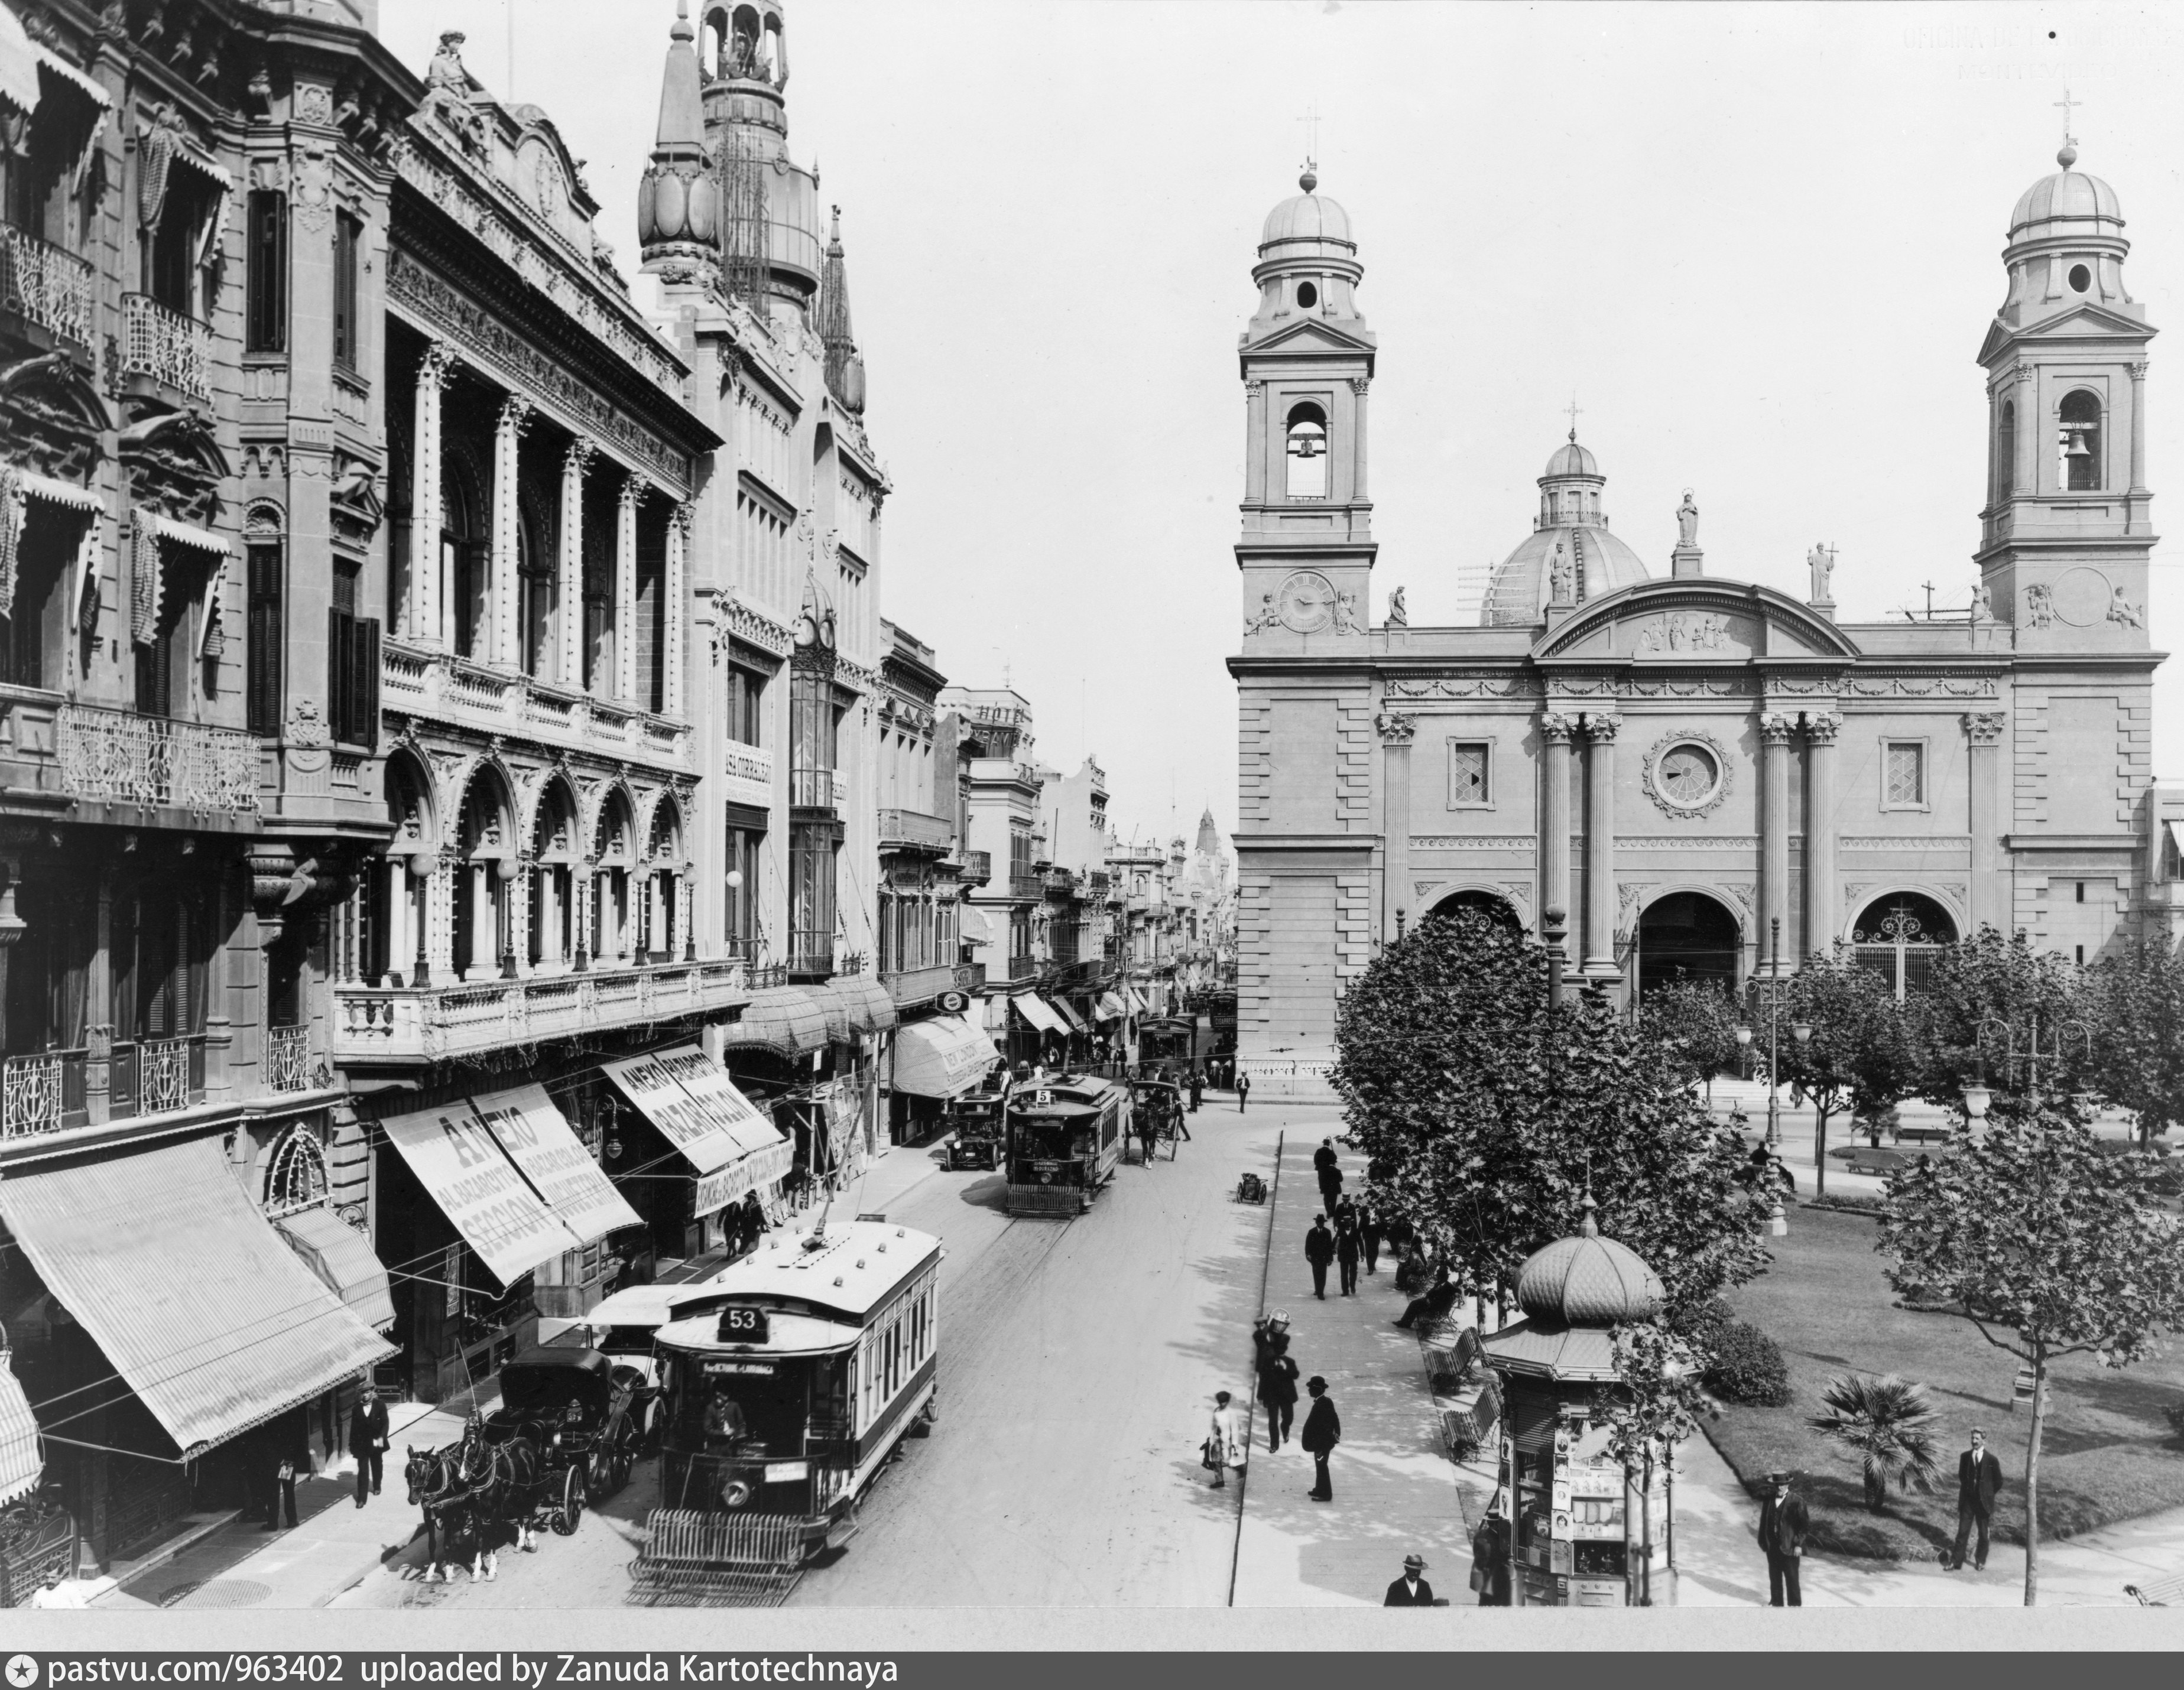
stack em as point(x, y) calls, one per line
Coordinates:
point(2159, 1593)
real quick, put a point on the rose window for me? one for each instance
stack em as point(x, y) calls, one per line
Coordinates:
point(1689, 774)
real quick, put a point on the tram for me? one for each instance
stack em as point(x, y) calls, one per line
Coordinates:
point(1065, 1137)
point(787, 1381)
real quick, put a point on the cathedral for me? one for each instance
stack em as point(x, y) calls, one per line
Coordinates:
point(1699, 777)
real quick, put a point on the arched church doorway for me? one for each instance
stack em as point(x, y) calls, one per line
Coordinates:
point(1899, 934)
point(1486, 905)
point(1691, 937)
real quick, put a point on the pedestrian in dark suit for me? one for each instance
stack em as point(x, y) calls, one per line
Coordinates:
point(1277, 1389)
point(1197, 1090)
point(1348, 1246)
point(1319, 1251)
point(1410, 1590)
point(1431, 1305)
point(1979, 1481)
point(288, 1458)
point(1328, 1169)
point(1323, 1431)
point(1783, 1522)
point(1243, 1091)
point(1369, 1230)
point(368, 1440)
point(1490, 1558)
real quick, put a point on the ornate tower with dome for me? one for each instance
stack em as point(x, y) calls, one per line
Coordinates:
point(1693, 768)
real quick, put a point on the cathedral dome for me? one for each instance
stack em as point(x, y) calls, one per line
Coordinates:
point(1308, 221)
point(1570, 523)
point(2069, 196)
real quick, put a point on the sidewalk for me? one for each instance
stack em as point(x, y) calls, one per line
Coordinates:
point(333, 1544)
point(1395, 1492)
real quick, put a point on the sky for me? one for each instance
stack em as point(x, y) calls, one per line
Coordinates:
point(1757, 247)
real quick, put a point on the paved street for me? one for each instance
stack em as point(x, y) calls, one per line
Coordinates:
point(1077, 1371)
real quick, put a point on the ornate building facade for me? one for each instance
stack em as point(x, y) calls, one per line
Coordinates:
point(1685, 765)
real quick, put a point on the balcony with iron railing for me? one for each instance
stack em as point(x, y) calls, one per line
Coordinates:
point(1019, 968)
point(911, 985)
point(437, 686)
point(978, 867)
point(42, 1093)
point(156, 1076)
point(165, 346)
point(46, 286)
point(1060, 879)
point(150, 762)
point(812, 788)
point(909, 830)
point(288, 1059)
point(1025, 888)
point(416, 1024)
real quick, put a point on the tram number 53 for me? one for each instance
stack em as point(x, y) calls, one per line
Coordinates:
point(742, 1326)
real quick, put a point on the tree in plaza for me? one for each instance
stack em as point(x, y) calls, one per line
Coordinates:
point(2135, 1003)
point(1481, 1109)
point(2008, 980)
point(1696, 1019)
point(2048, 1246)
point(1864, 1052)
point(1888, 1423)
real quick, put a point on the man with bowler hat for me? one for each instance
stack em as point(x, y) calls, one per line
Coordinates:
point(1783, 1522)
point(367, 1440)
point(1410, 1590)
point(1323, 1431)
point(1319, 1251)
point(1277, 1376)
point(1979, 1481)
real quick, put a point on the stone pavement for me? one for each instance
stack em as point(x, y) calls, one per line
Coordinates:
point(1395, 1492)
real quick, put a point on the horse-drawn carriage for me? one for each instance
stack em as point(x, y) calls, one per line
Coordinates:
point(1156, 1110)
point(566, 1434)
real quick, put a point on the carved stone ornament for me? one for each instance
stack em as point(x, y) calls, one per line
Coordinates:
point(2039, 606)
point(1395, 727)
point(1821, 728)
point(1686, 774)
point(1459, 687)
point(311, 186)
point(1681, 630)
point(1775, 728)
point(307, 724)
point(1269, 616)
point(1307, 602)
point(314, 103)
point(1557, 729)
point(1984, 727)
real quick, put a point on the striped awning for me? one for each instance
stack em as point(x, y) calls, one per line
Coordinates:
point(187, 534)
point(20, 1464)
point(1035, 1009)
point(1068, 1011)
point(862, 1003)
point(210, 1319)
point(343, 1257)
point(1110, 1008)
point(789, 1019)
point(942, 1058)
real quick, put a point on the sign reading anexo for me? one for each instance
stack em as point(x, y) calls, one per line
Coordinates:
point(479, 1190)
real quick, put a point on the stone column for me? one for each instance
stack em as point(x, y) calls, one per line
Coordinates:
point(522, 879)
point(440, 894)
point(423, 606)
point(2029, 430)
point(1821, 728)
point(1555, 732)
point(1774, 731)
point(504, 646)
point(1599, 845)
point(1989, 897)
point(1359, 385)
point(623, 686)
point(1396, 732)
point(673, 612)
point(1258, 449)
point(2136, 512)
point(569, 588)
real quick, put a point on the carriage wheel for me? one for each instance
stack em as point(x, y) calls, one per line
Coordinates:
point(572, 1501)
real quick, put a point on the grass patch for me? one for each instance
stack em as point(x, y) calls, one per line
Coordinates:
point(2110, 1451)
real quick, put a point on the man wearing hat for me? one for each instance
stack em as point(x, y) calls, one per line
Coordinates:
point(1782, 1525)
point(1490, 1558)
point(1410, 1590)
point(1323, 1431)
point(368, 1440)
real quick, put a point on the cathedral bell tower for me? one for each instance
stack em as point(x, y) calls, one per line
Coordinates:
point(2066, 530)
point(1306, 552)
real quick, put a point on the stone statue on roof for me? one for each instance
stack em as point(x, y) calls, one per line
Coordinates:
point(1687, 521)
point(1398, 616)
point(1821, 560)
point(446, 70)
point(1561, 577)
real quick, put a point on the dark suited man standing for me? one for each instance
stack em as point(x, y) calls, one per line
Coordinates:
point(1410, 1590)
point(367, 1442)
point(1979, 1481)
point(1783, 1522)
point(1319, 1251)
point(1323, 1431)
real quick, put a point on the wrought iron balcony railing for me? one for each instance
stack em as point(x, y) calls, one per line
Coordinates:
point(909, 829)
point(288, 1059)
point(172, 349)
point(149, 760)
point(50, 287)
point(978, 867)
point(42, 1093)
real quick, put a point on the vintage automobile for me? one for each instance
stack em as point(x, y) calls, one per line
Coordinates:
point(576, 1413)
point(978, 1140)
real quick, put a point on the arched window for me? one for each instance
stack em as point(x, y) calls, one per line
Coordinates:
point(663, 881)
point(2079, 442)
point(1898, 934)
point(614, 857)
point(534, 592)
point(1308, 453)
point(553, 883)
point(2005, 452)
point(295, 1173)
point(488, 848)
point(465, 563)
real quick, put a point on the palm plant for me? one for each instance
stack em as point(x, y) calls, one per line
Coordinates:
point(1889, 1423)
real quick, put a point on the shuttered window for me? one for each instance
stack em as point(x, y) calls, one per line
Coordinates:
point(265, 275)
point(352, 678)
point(263, 638)
point(348, 235)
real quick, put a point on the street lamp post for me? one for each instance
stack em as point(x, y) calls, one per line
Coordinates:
point(1774, 1040)
point(1978, 1097)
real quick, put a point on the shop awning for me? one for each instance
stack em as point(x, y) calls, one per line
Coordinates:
point(188, 534)
point(1035, 1009)
point(740, 1179)
point(208, 1316)
point(972, 926)
point(1137, 1002)
point(710, 1088)
point(342, 1258)
point(693, 1129)
point(20, 1466)
point(1110, 1008)
point(863, 1003)
point(2176, 838)
point(784, 1019)
point(460, 1165)
point(942, 1058)
point(538, 1140)
point(1068, 1011)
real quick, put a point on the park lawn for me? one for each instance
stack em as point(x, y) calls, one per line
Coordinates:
point(2108, 1452)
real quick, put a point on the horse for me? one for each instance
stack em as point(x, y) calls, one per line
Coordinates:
point(437, 1487)
point(504, 1481)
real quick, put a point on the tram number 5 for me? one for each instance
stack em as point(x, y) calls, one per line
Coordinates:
point(742, 1326)
point(1042, 1100)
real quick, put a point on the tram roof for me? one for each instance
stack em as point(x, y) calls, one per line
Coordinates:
point(852, 1272)
point(787, 1336)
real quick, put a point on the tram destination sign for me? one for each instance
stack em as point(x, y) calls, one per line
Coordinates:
point(743, 1326)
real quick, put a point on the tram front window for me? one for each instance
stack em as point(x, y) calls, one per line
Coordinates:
point(744, 1412)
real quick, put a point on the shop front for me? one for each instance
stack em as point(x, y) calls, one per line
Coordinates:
point(934, 1062)
point(733, 1156)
